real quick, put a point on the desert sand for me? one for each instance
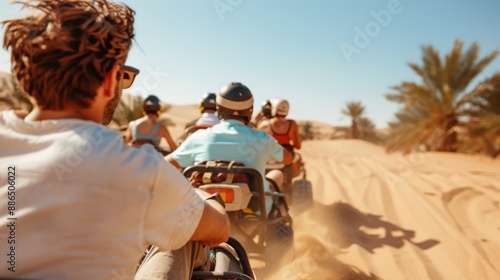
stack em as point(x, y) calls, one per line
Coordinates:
point(391, 216)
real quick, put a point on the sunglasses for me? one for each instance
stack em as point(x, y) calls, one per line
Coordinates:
point(129, 74)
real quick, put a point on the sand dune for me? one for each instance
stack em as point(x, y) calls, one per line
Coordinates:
point(380, 216)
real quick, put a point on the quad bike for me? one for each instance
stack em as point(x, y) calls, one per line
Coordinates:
point(263, 229)
point(299, 191)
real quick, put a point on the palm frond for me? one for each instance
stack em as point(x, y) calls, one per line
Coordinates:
point(436, 111)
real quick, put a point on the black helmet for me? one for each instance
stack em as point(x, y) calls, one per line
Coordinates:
point(235, 99)
point(151, 104)
point(207, 101)
point(267, 108)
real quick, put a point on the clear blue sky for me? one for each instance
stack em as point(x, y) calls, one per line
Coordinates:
point(310, 52)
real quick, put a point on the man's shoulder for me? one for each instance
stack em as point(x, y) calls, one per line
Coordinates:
point(95, 139)
point(94, 129)
point(107, 148)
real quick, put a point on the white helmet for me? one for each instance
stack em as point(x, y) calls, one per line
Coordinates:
point(280, 107)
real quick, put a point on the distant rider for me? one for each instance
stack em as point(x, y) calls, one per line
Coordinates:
point(284, 130)
point(148, 128)
point(208, 118)
point(264, 114)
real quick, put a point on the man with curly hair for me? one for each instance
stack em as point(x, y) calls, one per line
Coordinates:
point(77, 203)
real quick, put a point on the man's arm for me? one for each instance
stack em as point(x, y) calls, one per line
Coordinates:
point(214, 226)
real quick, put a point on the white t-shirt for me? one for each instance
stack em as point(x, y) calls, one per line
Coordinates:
point(207, 120)
point(86, 206)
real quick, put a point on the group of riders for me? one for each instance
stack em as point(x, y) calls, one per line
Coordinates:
point(81, 203)
point(272, 118)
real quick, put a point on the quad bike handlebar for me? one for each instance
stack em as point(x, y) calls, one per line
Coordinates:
point(140, 142)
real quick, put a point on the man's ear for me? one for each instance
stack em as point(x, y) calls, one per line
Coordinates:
point(111, 80)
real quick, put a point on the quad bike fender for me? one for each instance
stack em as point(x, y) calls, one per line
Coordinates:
point(235, 195)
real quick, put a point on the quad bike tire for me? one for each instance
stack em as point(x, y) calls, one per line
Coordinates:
point(302, 195)
point(279, 246)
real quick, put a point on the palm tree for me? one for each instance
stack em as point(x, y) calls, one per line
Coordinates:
point(368, 130)
point(484, 123)
point(434, 110)
point(354, 110)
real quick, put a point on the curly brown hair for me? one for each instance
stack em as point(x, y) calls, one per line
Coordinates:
point(63, 49)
